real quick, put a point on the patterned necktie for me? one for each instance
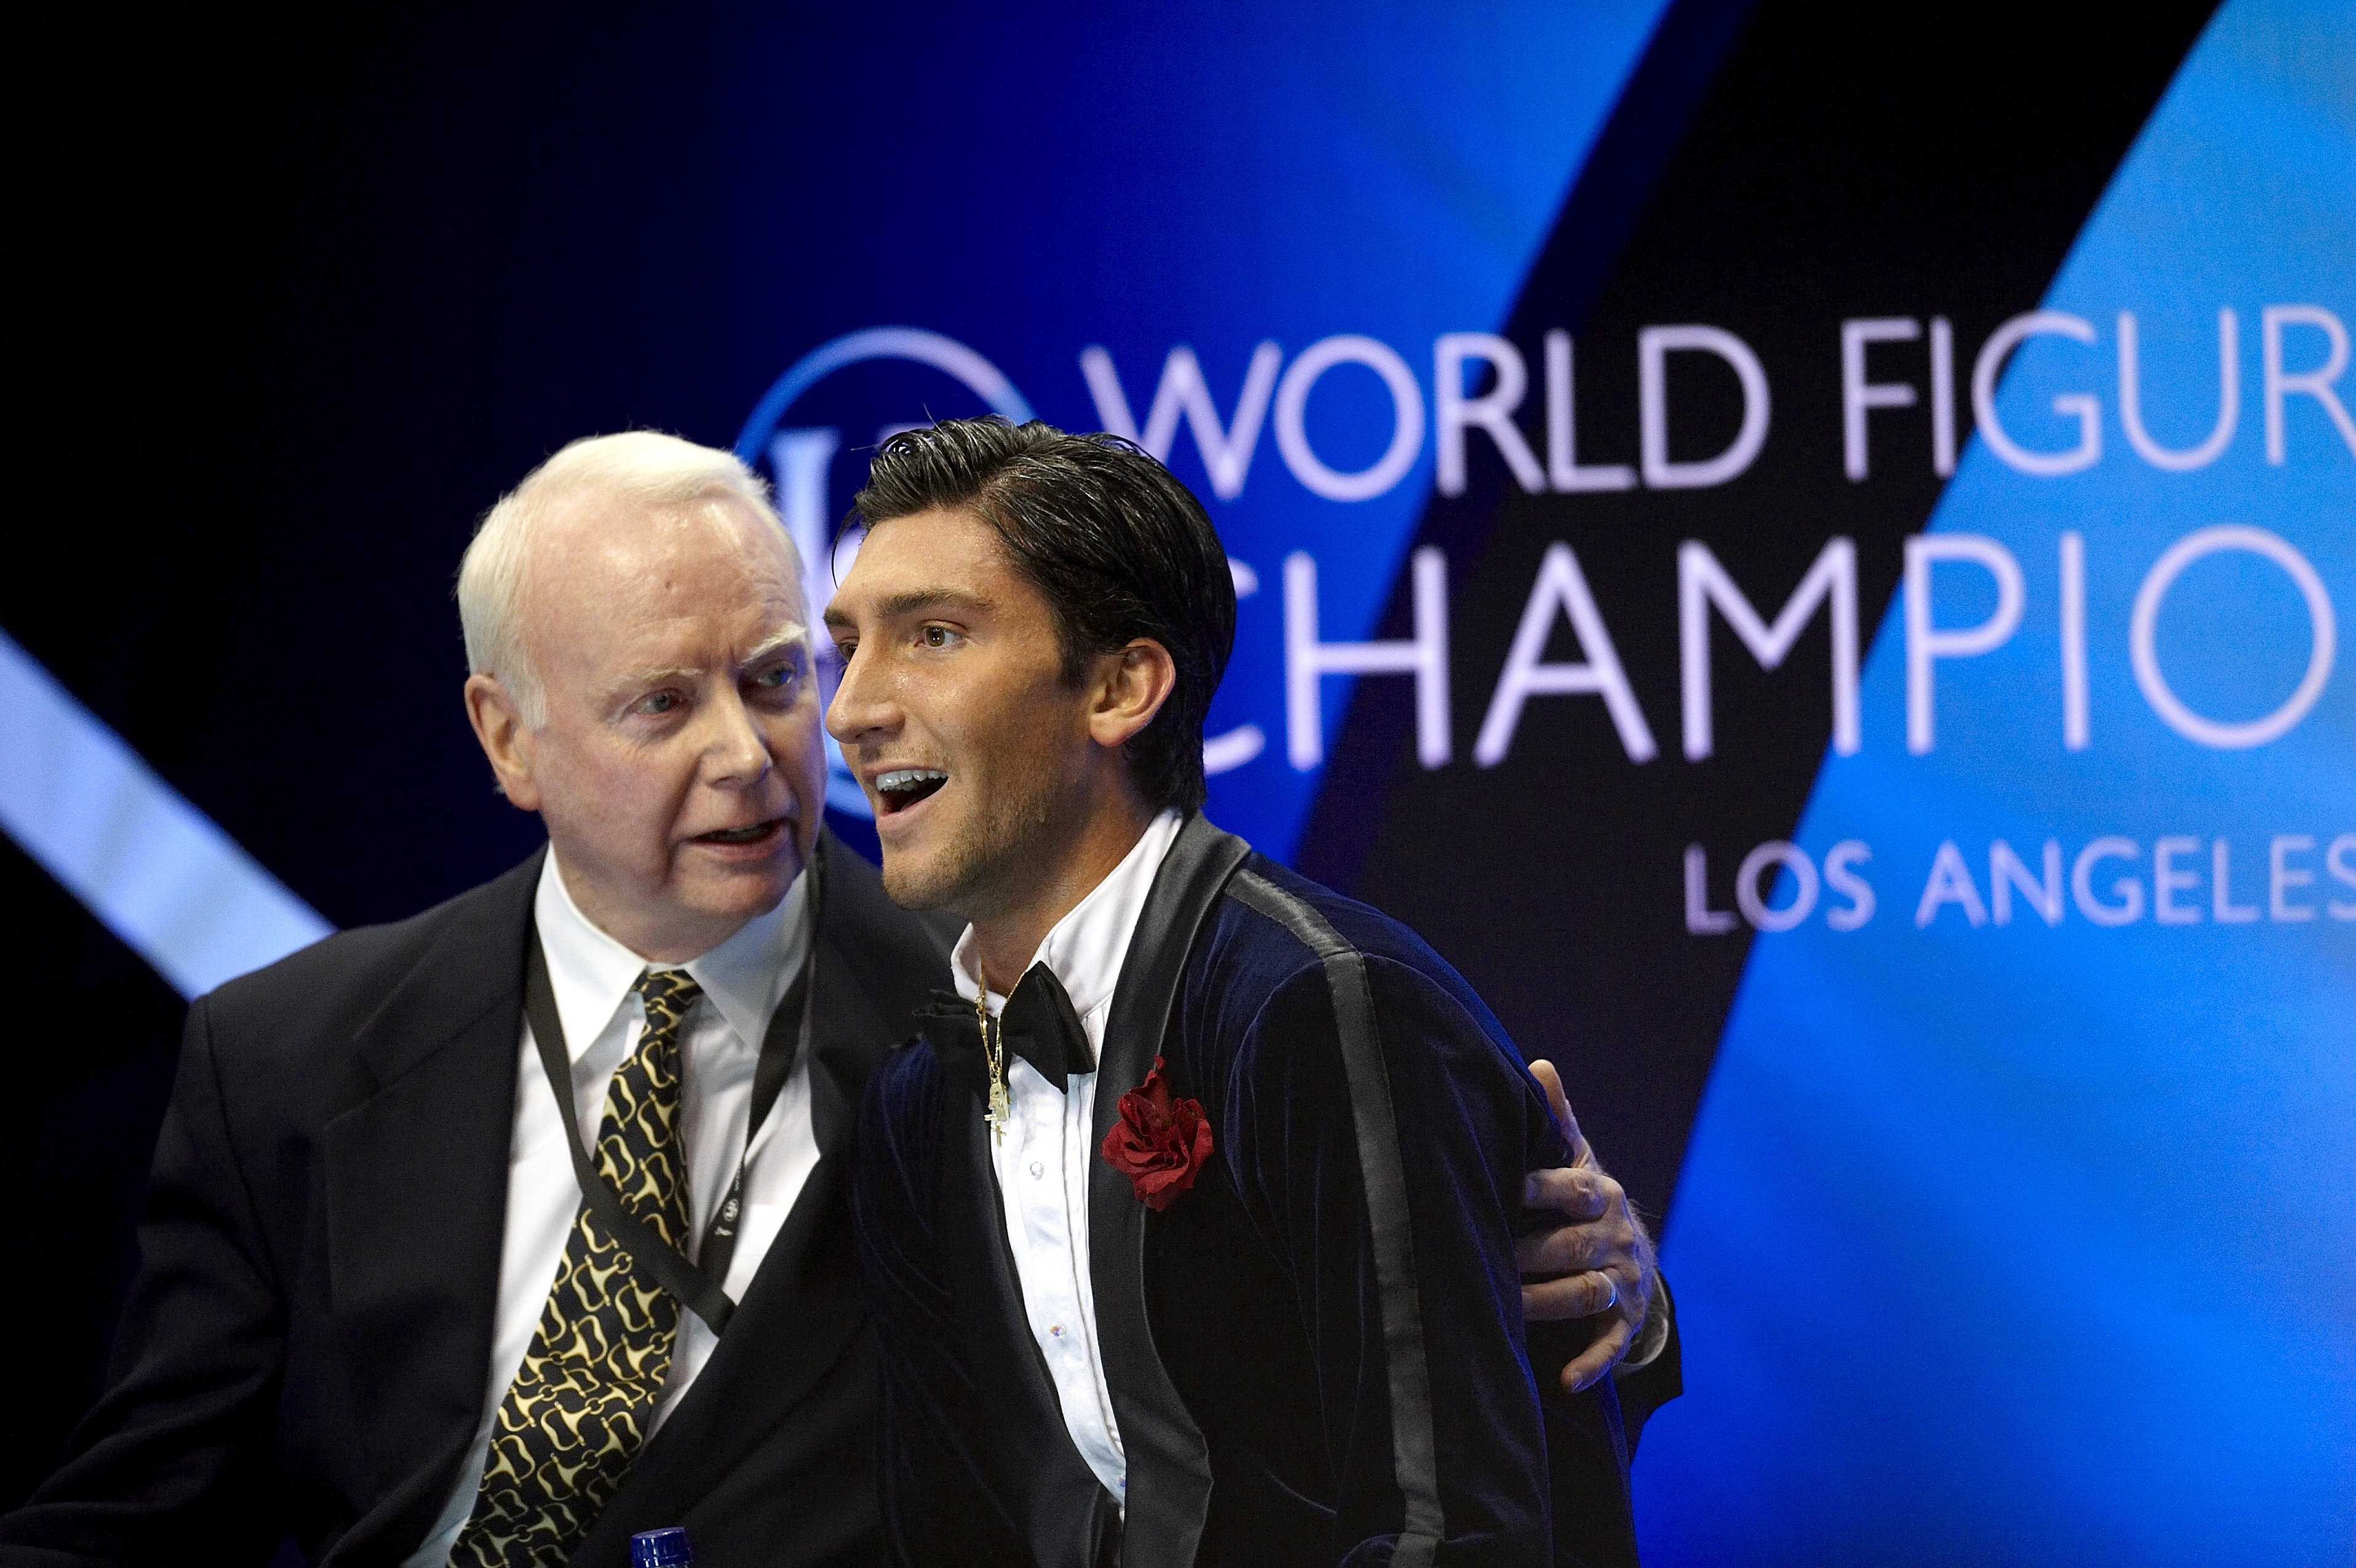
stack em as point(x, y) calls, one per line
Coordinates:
point(579, 1409)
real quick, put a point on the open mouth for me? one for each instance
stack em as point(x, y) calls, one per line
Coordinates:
point(900, 787)
point(757, 833)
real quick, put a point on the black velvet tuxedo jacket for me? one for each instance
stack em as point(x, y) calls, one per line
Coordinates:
point(1316, 1355)
point(306, 1345)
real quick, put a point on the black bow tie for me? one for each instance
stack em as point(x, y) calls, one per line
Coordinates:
point(1038, 1024)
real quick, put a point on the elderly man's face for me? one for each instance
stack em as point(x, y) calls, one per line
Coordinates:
point(681, 770)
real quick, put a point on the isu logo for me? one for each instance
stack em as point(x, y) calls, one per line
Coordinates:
point(800, 457)
point(799, 451)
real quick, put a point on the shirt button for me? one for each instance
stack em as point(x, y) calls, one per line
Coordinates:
point(1055, 1329)
point(1037, 1170)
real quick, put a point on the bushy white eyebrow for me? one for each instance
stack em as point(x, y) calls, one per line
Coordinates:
point(655, 674)
point(792, 631)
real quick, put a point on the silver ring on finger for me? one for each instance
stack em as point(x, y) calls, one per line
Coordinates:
point(1615, 1283)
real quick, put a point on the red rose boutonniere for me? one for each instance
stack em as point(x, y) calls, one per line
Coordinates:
point(1159, 1142)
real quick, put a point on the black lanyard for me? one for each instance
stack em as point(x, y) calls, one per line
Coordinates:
point(699, 1285)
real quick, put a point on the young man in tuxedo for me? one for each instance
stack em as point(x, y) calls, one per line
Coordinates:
point(375, 1311)
point(1190, 1224)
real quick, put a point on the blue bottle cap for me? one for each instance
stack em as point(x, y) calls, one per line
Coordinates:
point(660, 1549)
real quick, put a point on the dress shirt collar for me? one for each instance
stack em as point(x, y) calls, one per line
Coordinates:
point(1086, 946)
point(744, 977)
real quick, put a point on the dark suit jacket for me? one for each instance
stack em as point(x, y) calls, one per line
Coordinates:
point(1315, 1354)
point(306, 1345)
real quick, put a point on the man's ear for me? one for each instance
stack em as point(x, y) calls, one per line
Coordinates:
point(506, 740)
point(1131, 687)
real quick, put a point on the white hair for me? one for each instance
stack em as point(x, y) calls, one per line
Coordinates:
point(645, 467)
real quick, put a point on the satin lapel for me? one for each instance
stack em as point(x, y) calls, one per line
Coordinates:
point(415, 1177)
point(1169, 1464)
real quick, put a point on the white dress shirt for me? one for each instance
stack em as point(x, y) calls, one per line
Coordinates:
point(744, 979)
point(1043, 1162)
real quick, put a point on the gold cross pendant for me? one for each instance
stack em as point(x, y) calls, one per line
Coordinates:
point(1001, 1104)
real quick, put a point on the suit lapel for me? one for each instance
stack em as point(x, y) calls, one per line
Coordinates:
point(1169, 1463)
point(800, 1316)
point(415, 1179)
point(859, 1009)
point(804, 1311)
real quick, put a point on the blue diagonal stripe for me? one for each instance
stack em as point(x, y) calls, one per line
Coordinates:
point(157, 871)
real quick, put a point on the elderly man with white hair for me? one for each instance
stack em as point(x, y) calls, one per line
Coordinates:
point(507, 1231)
point(375, 1311)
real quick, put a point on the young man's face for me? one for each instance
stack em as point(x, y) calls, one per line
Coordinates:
point(953, 710)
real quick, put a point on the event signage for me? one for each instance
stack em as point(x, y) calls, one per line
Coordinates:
point(2302, 354)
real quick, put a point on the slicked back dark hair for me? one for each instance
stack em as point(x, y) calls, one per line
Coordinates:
point(1118, 547)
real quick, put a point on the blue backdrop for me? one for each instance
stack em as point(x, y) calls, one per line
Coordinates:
point(1807, 558)
point(2078, 1188)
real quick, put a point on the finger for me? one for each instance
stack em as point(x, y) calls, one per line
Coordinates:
point(1551, 1081)
point(1559, 1104)
point(1573, 1193)
point(1635, 1306)
point(1624, 1250)
point(1565, 1249)
point(1572, 1296)
point(1590, 1365)
point(1561, 1300)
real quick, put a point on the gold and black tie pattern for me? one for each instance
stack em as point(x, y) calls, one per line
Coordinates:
point(578, 1412)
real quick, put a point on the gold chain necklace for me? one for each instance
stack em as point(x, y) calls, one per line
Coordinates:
point(1001, 1104)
